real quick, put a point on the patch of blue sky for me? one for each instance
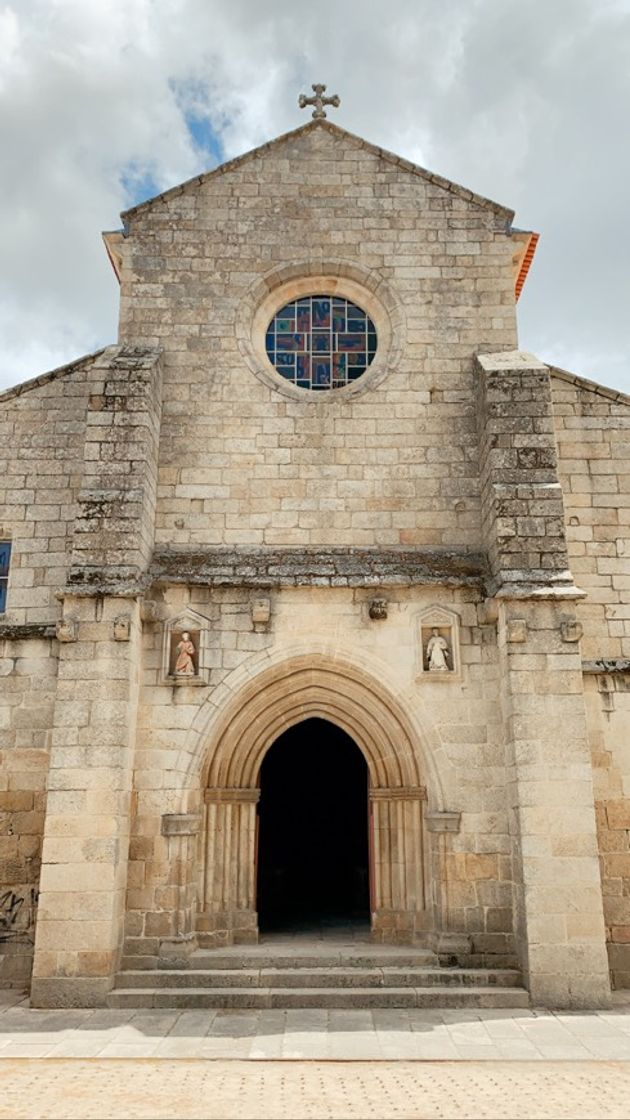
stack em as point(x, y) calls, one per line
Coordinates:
point(204, 137)
point(194, 101)
point(138, 183)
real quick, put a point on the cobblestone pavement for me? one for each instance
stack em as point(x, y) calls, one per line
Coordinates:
point(70, 1089)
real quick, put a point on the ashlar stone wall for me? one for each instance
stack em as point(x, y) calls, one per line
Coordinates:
point(593, 434)
point(458, 737)
point(42, 428)
point(241, 463)
point(42, 432)
point(175, 472)
point(78, 489)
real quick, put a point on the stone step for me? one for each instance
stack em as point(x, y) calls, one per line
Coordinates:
point(271, 978)
point(457, 996)
point(259, 956)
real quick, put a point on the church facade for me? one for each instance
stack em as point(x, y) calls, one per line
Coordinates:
point(315, 534)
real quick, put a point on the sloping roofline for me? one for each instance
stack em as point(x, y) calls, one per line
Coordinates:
point(44, 378)
point(588, 385)
point(526, 261)
point(70, 367)
point(391, 157)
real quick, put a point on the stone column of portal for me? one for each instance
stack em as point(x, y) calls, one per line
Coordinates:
point(229, 912)
point(451, 946)
point(398, 903)
point(559, 921)
point(86, 831)
point(180, 941)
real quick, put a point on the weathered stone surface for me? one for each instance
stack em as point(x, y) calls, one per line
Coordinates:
point(16, 632)
point(462, 475)
point(353, 567)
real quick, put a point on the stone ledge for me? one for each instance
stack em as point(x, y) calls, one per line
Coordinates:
point(18, 631)
point(508, 361)
point(112, 579)
point(185, 682)
point(607, 665)
point(326, 567)
point(550, 590)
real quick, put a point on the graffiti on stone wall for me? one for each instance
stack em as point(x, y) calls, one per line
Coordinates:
point(17, 915)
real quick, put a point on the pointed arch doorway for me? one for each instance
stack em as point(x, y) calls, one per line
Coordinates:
point(312, 849)
point(278, 698)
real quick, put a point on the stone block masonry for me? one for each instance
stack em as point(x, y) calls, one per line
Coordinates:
point(242, 464)
point(522, 509)
point(114, 527)
point(86, 834)
point(168, 482)
point(592, 427)
point(559, 918)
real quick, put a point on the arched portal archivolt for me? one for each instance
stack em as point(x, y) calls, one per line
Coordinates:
point(302, 688)
point(268, 704)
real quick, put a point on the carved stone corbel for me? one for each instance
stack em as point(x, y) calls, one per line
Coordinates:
point(67, 630)
point(261, 614)
point(122, 628)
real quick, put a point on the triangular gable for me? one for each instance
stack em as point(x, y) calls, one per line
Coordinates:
point(335, 130)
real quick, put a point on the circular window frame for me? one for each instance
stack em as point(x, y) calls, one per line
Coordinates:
point(270, 294)
point(348, 376)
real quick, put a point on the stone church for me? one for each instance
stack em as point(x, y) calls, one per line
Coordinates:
point(315, 597)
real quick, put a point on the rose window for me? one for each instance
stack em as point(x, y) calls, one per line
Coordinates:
point(321, 342)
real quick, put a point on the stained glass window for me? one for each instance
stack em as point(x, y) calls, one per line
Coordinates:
point(321, 342)
point(5, 555)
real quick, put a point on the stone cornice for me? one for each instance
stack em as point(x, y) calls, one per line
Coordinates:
point(19, 631)
point(607, 665)
point(326, 567)
point(563, 589)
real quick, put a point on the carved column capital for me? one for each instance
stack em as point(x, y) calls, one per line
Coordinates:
point(399, 793)
point(231, 794)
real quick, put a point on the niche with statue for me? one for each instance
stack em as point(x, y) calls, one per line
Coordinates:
point(438, 644)
point(185, 644)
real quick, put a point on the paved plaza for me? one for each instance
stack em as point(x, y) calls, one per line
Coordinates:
point(316, 1035)
point(196, 1090)
point(316, 1063)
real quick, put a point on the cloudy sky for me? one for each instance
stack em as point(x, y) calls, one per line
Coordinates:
point(106, 102)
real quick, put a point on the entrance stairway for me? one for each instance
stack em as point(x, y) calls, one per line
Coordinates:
point(317, 973)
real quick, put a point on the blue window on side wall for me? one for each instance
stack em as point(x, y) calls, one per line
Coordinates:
point(5, 555)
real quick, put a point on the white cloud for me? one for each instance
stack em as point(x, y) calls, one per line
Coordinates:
point(526, 103)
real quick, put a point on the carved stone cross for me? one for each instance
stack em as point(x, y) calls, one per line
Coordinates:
point(319, 101)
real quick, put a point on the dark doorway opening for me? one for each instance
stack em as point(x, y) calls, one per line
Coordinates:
point(313, 829)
